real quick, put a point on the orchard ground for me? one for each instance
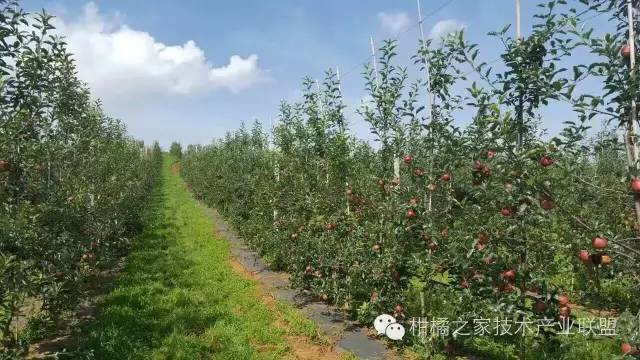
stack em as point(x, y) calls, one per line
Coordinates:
point(180, 296)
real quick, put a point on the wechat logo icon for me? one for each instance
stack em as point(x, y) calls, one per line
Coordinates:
point(387, 325)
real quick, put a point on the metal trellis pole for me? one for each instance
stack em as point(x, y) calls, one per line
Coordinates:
point(518, 20)
point(374, 60)
point(632, 127)
point(429, 94)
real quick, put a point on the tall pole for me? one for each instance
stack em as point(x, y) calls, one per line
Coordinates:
point(518, 20)
point(632, 148)
point(520, 115)
point(429, 95)
point(426, 63)
point(374, 59)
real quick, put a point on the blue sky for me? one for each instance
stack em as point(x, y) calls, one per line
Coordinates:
point(193, 70)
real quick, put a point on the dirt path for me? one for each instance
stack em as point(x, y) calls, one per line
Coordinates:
point(303, 347)
point(343, 335)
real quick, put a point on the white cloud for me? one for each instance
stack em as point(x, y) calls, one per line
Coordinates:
point(394, 22)
point(443, 28)
point(116, 60)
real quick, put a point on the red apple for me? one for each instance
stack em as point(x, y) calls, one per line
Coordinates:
point(505, 211)
point(507, 288)
point(626, 348)
point(540, 306)
point(599, 243)
point(546, 160)
point(606, 259)
point(408, 159)
point(635, 185)
point(464, 284)
point(547, 203)
point(583, 255)
point(483, 237)
point(411, 214)
point(563, 300)
point(449, 348)
point(445, 177)
point(509, 274)
point(564, 311)
point(398, 309)
point(625, 51)
point(491, 154)
point(484, 169)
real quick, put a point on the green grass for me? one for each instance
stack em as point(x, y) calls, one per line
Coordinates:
point(178, 298)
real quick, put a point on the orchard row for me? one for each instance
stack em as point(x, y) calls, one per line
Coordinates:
point(73, 185)
point(489, 220)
